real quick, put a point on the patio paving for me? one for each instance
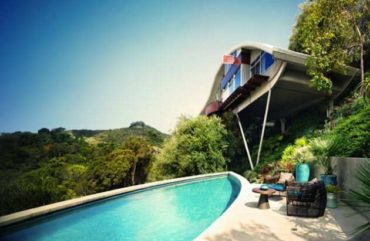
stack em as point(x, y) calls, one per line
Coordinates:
point(244, 221)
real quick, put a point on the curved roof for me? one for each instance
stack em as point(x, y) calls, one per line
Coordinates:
point(291, 67)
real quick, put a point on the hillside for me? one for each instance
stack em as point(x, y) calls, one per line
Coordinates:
point(118, 136)
point(347, 130)
point(55, 165)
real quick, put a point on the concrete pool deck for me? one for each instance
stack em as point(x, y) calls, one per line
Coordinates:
point(244, 221)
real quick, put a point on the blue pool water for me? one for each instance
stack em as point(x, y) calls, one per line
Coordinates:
point(175, 212)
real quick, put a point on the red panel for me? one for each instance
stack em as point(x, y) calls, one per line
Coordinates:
point(212, 108)
point(229, 59)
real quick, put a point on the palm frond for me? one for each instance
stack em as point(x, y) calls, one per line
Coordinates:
point(361, 195)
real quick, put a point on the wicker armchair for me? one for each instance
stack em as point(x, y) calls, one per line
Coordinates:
point(306, 200)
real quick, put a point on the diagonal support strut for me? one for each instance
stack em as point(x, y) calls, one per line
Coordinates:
point(264, 125)
point(245, 141)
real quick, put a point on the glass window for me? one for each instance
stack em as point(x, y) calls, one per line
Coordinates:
point(255, 67)
point(266, 61)
point(262, 63)
point(237, 79)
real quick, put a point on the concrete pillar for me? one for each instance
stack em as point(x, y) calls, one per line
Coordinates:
point(330, 109)
point(282, 125)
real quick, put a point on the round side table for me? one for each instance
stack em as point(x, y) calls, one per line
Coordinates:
point(263, 202)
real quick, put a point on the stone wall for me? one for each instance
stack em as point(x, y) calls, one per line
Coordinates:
point(345, 169)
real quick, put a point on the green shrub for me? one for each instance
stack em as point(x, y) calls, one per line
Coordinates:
point(196, 147)
point(299, 152)
point(332, 189)
point(323, 148)
point(251, 176)
point(352, 134)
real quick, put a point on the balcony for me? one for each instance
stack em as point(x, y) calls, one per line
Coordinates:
point(231, 87)
point(242, 91)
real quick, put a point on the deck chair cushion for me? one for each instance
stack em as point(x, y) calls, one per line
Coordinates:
point(278, 187)
point(286, 177)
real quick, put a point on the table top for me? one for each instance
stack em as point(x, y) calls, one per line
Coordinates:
point(265, 192)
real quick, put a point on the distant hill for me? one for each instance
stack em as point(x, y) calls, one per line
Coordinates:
point(118, 136)
point(59, 164)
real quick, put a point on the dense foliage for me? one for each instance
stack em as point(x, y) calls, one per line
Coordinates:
point(50, 166)
point(235, 152)
point(345, 134)
point(138, 129)
point(55, 165)
point(351, 132)
point(302, 124)
point(333, 34)
point(195, 147)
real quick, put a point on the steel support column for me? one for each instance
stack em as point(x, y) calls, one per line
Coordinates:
point(264, 125)
point(245, 141)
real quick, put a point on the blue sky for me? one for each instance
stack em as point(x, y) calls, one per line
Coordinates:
point(104, 64)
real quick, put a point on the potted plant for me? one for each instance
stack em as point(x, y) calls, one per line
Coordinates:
point(302, 170)
point(322, 149)
point(332, 193)
point(300, 156)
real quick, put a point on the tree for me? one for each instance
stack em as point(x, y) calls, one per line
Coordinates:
point(195, 147)
point(43, 131)
point(143, 155)
point(112, 171)
point(333, 34)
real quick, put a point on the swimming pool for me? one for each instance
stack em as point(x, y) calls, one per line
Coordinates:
point(179, 211)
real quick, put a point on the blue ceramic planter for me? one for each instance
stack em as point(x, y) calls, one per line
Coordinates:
point(302, 172)
point(331, 200)
point(329, 179)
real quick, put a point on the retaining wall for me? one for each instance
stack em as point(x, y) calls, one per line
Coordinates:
point(346, 168)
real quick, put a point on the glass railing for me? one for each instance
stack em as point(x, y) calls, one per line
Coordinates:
point(231, 86)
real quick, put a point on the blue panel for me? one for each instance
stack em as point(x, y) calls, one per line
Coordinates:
point(237, 79)
point(231, 72)
point(266, 61)
point(229, 75)
point(234, 86)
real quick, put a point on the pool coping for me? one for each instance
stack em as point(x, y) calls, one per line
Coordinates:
point(222, 221)
point(18, 217)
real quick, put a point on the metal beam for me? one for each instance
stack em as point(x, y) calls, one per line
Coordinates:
point(245, 142)
point(264, 125)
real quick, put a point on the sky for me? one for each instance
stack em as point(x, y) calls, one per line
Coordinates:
point(105, 64)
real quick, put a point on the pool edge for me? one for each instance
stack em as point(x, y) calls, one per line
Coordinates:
point(222, 221)
point(17, 217)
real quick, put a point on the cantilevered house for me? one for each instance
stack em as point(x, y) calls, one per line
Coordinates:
point(268, 83)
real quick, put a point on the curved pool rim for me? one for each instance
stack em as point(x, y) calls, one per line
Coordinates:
point(29, 214)
point(222, 222)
